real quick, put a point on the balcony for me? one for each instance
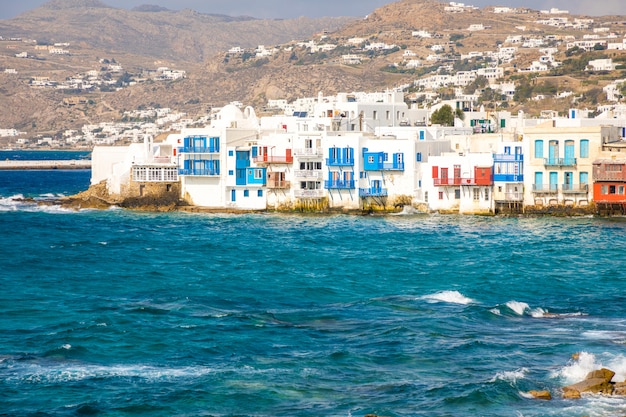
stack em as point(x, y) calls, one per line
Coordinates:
point(508, 178)
point(308, 173)
point(502, 157)
point(278, 184)
point(339, 162)
point(308, 193)
point(308, 152)
point(339, 185)
point(575, 188)
point(271, 159)
point(513, 196)
point(559, 162)
point(455, 182)
point(199, 149)
point(546, 189)
point(372, 192)
point(200, 172)
point(385, 166)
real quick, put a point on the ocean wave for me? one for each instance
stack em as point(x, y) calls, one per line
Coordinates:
point(453, 297)
point(510, 376)
point(17, 202)
point(42, 373)
point(586, 362)
point(520, 308)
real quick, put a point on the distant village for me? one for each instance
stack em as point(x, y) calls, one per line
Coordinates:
point(407, 146)
point(468, 74)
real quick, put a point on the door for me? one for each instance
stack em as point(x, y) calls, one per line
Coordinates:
point(569, 152)
point(538, 181)
point(554, 181)
point(567, 181)
point(444, 176)
point(553, 152)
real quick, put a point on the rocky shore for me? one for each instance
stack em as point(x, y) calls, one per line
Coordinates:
point(599, 381)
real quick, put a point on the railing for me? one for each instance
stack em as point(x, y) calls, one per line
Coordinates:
point(315, 174)
point(545, 188)
point(372, 192)
point(339, 185)
point(503, 157)
point(462, 181)
point(565, 188)
point(609, 176)
point(575, 188)
point(508, 178)
point(308, 152)
point(338, 162)
point(308, 193)
point(513, 196)
point(279, 184)
point(385, 166)
point(200, 172)
point(199, 149)
point(270, 159)
point(559, 162)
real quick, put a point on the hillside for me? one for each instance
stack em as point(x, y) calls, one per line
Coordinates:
point(297, 64)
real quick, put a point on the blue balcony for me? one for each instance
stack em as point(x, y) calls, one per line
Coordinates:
point(559, 162)
point(339, 185)
point(199, 149)
point(372, 192)
point(200, 172)
point(339, 162)
point(375, 161)
point(508, 178)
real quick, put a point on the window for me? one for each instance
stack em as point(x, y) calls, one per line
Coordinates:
point(507, 150)
point(246, 193)
point(258, 174)
point(230, 172)
point(457, 194)
point(604, 190)
point(375, 115)
point(486, 194)
point(308, 143)
point(584, 148)
point(539, 149)
point(370, 159)
point(230, 153)
point(363, 174)
point(425, 196)
point(441, 195)
point(476, 194)
point(611, 189)
point(259, 193)
point(418, 157)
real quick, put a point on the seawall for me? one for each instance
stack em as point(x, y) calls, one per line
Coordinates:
point(52, 164)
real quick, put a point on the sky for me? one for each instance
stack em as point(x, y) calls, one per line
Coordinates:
point(286, 9)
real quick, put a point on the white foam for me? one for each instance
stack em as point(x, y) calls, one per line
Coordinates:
point(518, 307)
point(38, 373)
point(453, 297)
point(510, 376)
point(586, 362)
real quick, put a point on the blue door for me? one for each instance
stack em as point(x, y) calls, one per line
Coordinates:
point(232, 195)
point(569, 152)
point(538, 181)
point(553, 152)
point(554, 181)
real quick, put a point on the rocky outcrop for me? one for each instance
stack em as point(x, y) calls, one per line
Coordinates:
point(596, 382)
point(541, 395)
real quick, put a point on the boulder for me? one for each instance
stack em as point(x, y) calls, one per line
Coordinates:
point(596, 382)
point(619, 388)
point(541, 395)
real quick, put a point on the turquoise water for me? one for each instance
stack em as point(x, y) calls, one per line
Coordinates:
point(118, 313)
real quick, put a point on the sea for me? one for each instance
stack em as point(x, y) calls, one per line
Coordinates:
point(128, 313)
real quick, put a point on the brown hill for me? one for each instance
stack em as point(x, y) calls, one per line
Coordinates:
point(184, 35)
point(150, 37)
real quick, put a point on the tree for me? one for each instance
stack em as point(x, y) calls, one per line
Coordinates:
point(443, 116)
